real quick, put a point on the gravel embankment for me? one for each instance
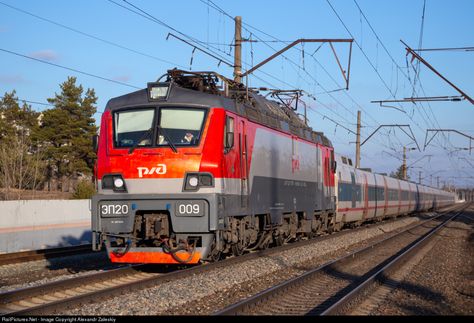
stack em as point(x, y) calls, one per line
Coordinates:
point(442, 283)
point(210, 291)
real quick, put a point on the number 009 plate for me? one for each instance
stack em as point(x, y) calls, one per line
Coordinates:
point(190, 208)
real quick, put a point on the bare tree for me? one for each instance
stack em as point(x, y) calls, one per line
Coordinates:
point(21, 167)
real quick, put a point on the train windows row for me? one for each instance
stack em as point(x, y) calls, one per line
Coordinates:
point(348, 192)
point(353, 192)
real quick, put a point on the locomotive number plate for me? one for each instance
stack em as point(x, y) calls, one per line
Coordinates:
point(190, 208)
point(118, 209)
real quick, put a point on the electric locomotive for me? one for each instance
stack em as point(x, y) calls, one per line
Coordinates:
point(196, 167)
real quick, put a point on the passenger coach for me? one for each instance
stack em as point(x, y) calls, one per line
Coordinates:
point(363, 195)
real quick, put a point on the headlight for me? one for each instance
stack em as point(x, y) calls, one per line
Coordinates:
point(158, 91)
point(193, 181)
point(114, 182)
point(118, 183)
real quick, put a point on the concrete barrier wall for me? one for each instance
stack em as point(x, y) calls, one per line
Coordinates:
point(39, 224)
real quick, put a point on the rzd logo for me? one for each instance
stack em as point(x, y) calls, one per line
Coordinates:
point(160, 169)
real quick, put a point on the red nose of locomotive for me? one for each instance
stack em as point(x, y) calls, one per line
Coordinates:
point(158, 163)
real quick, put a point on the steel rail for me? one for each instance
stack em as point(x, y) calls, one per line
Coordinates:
point(383, 273)
point(59, 286)
point(31, 255)
point(240, 307)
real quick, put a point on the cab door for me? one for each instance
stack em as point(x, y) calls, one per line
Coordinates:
point(244, 189)
point(319, 180)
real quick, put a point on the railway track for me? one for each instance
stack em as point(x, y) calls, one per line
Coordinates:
point(330, 288)
point(53, 297)
point(56, 296)
point(32, 255)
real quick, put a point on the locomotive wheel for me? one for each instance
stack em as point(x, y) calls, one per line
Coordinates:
point(330, 228)
point(265, 245)
point(215, 254)
point(267, 241)
point(318, 229)
point(279, 240)
point(237, 249)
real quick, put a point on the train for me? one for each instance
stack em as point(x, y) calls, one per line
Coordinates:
point(197, 167)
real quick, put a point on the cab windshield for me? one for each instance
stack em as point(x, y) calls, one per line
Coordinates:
point(181, 126)
point(157, 127)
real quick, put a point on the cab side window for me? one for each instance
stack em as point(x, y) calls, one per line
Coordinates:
point(228, 134)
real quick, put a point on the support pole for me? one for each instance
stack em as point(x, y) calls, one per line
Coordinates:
point(238, 50)
point(358, 141)
point(404, 166)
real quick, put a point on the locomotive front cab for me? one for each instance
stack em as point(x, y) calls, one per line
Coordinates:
point(156, 200)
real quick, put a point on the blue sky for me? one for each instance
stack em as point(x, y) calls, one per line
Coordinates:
point(103, 38)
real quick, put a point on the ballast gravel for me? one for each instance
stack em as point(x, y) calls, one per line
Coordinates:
point(205, 293)
point(442, 283)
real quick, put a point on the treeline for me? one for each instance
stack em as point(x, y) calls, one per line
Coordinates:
point(49, 150)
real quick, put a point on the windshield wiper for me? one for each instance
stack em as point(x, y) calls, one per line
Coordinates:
point(148, 133)
point(168, 141)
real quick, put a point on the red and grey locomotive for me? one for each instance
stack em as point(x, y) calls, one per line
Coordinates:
point(197, 167)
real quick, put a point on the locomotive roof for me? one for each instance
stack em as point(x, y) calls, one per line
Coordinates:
point(244, 102)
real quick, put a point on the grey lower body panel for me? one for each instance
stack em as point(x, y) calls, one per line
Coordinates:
point(272, 196)
point(277, 197)
point(268, 196)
